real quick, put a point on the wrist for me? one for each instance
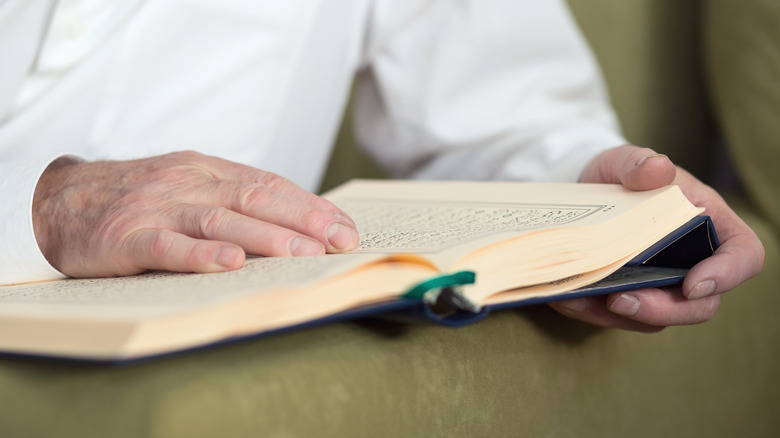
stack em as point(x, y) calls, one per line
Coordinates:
point(48, 190)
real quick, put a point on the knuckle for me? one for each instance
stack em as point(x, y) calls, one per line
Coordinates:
point(706, 309)
point(710, 308)
point(172, 169)
point(250, 196)
point(175, 175)
point(187, 155)
point(313, 221)
point(279, 244)
point(643, 152)
point(270, 179)
point(213, 221)
point(116, 227)
point(161, 244)
point(197, 256)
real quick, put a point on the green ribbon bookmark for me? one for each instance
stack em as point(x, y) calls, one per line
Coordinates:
point(440, 282)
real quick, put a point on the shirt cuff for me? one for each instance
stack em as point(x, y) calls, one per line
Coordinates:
point(21, 259)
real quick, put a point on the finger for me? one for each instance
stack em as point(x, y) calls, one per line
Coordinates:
point(593, 310)
point(634, 167)
point(260, 202)
point(228, 170)
point(740, 255)
point(254, 236)
point(171, 251)
point(662, 307)
point(736, 260)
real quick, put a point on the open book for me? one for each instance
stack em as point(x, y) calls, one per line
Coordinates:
point(448, 250)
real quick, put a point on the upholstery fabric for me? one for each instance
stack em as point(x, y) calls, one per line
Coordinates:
point(742, 48)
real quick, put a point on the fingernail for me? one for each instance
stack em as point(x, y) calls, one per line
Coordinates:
point(227, 255)
point(345, 218)
point(301, 246)
point(646, 157)
point(576, 305)
point(625, 305)
point(702, 289)
point(341, 236)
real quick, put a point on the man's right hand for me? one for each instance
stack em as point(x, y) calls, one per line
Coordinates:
point(183, 212)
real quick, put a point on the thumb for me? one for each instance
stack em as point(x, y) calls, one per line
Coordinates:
point(634, 167)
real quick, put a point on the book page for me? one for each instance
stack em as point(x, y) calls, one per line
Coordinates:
point(156, 293)
point(443, 220)
point(434, 226)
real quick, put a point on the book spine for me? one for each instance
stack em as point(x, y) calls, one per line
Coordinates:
point(688, 245)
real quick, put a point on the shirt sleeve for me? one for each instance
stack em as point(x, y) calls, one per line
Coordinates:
point(21, 260)
point(481, 89)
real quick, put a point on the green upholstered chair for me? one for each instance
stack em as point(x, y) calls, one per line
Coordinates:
point(685, 77)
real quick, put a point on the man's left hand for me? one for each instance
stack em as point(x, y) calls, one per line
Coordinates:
point(739, 257)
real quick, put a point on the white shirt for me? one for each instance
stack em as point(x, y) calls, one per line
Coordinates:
point(468, 89)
